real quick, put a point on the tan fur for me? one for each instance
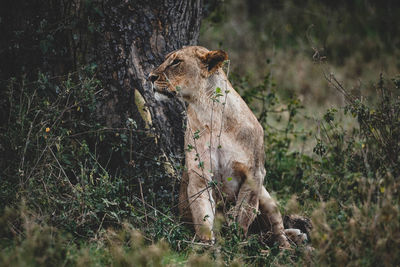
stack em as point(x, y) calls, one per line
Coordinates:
point(226, 138)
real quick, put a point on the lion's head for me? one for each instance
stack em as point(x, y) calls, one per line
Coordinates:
point(186, 70)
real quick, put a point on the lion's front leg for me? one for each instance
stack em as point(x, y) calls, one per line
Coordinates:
point(202, 206)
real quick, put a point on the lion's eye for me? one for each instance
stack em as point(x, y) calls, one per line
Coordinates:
point(176, 62)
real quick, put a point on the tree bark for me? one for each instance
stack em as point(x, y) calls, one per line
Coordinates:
point(137, 35)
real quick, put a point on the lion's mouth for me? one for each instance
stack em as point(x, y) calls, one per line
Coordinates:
point(162, 93)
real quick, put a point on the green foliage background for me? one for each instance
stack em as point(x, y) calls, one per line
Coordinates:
point(75, 192)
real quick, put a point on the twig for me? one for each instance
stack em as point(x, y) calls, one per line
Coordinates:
point(166, 216)
point(62, 169)
point(197, 243)
point(27, 142)
point(101, 224)
point(141, 195)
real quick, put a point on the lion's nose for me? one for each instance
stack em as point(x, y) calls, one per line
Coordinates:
point(153, 77)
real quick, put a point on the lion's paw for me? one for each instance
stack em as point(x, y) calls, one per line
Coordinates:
point(296, 236)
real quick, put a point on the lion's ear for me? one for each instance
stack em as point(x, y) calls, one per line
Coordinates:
point(214, 59)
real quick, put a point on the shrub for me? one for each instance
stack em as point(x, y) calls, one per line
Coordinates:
point(360, 224)
point(73, 171)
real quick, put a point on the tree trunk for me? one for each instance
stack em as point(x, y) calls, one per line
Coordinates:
point(137, 36)
point(126, 38)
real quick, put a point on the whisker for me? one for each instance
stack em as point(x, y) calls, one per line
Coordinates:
point(166, 77)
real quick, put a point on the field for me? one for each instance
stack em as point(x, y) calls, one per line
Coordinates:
point(323, 80)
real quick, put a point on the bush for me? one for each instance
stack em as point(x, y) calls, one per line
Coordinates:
point(73, 171)
point(75, 175)
point(360, 225)
point(350, 183)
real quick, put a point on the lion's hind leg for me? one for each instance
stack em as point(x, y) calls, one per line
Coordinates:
point(246, 207)
point(247, 200)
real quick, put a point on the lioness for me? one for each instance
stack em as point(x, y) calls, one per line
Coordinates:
point(224, 143)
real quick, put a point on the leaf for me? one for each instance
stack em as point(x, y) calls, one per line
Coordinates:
point(196, 134)
point(201, 164)
point(229, 179)
point(124, 138)
point(109, 203)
